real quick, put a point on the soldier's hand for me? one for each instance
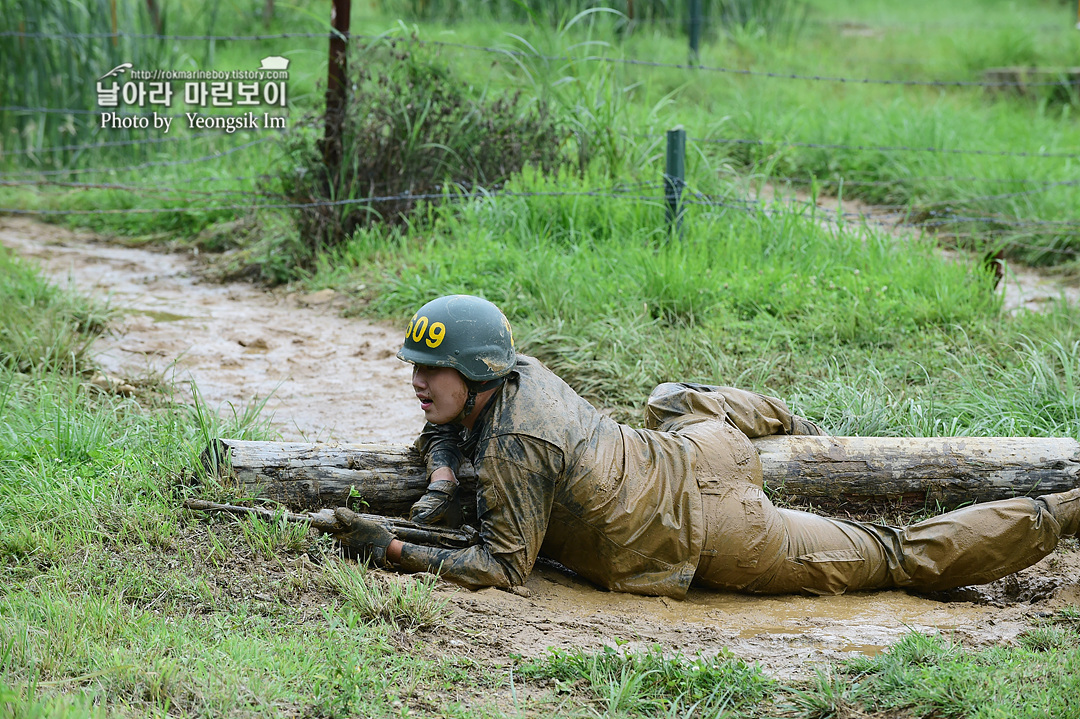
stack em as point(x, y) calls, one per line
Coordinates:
point(432, 507)
point(367, 537)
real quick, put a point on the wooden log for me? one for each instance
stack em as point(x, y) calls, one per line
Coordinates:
point(375, 478)
point(945, 472)
point(852, 472)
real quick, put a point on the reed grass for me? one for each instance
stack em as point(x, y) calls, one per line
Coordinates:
point(61, 73)
point(775, 17)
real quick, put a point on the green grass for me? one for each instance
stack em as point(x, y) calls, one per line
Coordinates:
point(654, 684)
point(618, 112)
point(112, 601)
point(921, 675)
point(598, 291)
point(926, 674)
point(60, 329)
point(637, 103)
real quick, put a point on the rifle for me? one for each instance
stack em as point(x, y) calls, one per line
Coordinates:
point(325, 521)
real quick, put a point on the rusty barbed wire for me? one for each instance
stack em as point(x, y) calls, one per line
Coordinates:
point(940, 219)
point(154, 36)
point(846, 179)
point(626, 192)
point(1043, 187)
point(157, 189)
point(339, 203)
point(875, 148)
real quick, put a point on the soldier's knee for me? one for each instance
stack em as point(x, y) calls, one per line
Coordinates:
point(667, 401)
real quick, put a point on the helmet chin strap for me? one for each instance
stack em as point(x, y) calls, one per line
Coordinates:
point(475, 388)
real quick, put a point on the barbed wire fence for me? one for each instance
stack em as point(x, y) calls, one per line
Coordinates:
point(934, 215)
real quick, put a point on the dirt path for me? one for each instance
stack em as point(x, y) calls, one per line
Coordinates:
point(328, 378)
point(337, 379)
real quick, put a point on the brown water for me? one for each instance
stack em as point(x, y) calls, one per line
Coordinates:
point(327, 377)
point(786, 635)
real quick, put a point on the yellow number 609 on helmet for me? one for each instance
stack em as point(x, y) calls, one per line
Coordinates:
point(467, 333)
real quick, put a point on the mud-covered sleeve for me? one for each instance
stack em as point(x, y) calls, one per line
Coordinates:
point(440, 446)
point(515, 492)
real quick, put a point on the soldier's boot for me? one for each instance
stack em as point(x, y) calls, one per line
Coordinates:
point(1065, 506)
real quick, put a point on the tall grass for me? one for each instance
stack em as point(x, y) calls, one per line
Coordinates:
point(763, 124)
point(112, 602)
point(60, 329)
point(599, 292)
point(776, 17)
point(60, 74)
point(406, 602)
point(410, 128)
point(1026, 389)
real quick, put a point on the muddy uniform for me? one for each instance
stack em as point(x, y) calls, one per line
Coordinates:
point(649, 511)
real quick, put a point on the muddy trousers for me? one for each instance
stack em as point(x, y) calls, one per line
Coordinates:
point(752, 546)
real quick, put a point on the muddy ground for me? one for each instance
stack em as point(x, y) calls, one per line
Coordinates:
point(327, 378)
point(335, 379)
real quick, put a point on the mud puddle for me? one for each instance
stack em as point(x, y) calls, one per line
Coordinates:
point(785, 635)
point(336, 379)
point(327, 378)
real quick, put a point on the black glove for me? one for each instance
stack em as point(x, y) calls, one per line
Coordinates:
point(432, 507)
point(368, 538)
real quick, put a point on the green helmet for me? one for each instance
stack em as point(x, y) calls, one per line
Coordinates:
point(464, 332)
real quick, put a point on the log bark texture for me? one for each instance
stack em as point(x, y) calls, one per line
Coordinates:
point(831, 472)
point(375, 478)
point(910, 471)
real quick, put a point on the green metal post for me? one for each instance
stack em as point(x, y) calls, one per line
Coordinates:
point(695, 30)
point(675, 177)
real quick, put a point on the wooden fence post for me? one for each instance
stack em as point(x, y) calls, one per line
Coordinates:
point(336, 85)
point(155, 15)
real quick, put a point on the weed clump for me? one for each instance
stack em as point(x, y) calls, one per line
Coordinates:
point(42, 328)
point(651, 683)
point(412, 133)
point(407, 602)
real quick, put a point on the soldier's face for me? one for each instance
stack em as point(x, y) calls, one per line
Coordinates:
point(441, 391)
